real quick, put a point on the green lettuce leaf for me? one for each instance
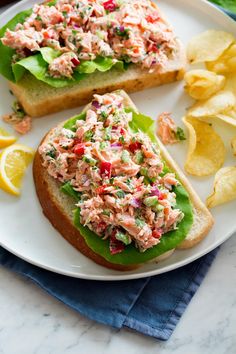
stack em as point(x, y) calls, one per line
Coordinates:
point(49, 54)
point(37, 66)
point(70, 123)
point(100, 64)
point(226, 4)
point(143, 123)
point(6, 53)
point(69, 190)
point(170, 240)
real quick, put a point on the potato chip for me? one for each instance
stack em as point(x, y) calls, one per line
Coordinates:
point(206, 150)
point(229, 118)
point(233, 144)
point(202, 84)
point(208, 46)
point(230, 84)
point(222, 102)
point(224, 187)
point(226, 63)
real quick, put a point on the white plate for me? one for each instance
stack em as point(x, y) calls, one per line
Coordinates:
point(28, 234)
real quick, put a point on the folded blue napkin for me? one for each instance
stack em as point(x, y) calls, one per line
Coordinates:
point(151, 306)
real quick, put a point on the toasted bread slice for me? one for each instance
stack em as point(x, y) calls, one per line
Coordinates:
point(58, 207)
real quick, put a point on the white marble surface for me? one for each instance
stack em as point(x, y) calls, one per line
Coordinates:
point(32, 322)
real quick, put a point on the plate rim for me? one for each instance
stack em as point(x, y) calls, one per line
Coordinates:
point(200, 4)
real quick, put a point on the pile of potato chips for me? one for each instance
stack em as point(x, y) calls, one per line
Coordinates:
point(214, 90)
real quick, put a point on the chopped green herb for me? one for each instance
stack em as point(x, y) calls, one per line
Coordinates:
point(103, 114)
point(158, 207)
point(129, 182)
point(151, 201)
point(143, 171)
point(107, 133)
point(122, 139)
point(125, 156)
point(122, 32)
point(180, 135)
point(139, 222)
point(65, 14)
point(38, 18)
point(139, 157)
point(120, 194)
point(89, 160)
point(51, 153)
point(147, 180)
point(103, 145)
point(106, 212)
point(111, 180)
point(88, 135)
point(125, 238)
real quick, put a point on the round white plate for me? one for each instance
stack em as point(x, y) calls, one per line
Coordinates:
point(27, 233)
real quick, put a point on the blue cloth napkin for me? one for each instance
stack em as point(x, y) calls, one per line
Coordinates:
point(151, 306)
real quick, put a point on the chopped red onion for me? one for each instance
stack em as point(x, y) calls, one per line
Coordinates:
point(96, 104)
point(135, 202)
point(155, 192)
point(116, 145)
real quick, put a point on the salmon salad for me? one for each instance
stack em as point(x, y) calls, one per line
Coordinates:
point(125, 195)
point(131, 31)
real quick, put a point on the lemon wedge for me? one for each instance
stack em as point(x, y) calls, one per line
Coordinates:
point(13, 162)
point(6, 139)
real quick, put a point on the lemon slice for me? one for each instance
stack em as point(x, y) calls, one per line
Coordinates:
point(6, 139)
point(13, 163)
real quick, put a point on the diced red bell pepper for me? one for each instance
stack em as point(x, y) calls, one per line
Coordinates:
point(135, 146)
point(105, 169)
point(101, 190)
point(157, 233)
point(75, 61)
point(79, 149)
point(162, 196)
point(110, 5)
point(153, 17)
point(77, 141)
point(46, 35)
point(153, 48)
point(122, 131)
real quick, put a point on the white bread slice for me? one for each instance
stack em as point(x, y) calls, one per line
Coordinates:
point(39, 99)
point(58, 207)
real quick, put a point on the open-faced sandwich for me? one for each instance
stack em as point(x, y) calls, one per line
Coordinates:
point(111, 189)
point(58, 54)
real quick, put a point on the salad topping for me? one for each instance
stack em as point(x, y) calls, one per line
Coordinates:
point(132, 31)
point(125, 192)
